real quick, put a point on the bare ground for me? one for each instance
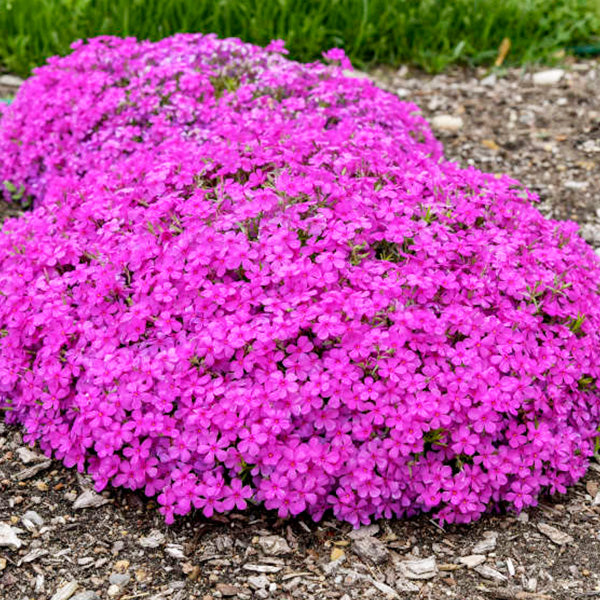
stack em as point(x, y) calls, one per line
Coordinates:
point(548, 136)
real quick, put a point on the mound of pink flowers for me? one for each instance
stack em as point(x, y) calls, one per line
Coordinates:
point(248, 280)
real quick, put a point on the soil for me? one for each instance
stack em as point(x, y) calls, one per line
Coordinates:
point(547, 136)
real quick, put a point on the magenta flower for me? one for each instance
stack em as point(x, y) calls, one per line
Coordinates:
point(520, 495)
point(465, 442)
point(236, 494)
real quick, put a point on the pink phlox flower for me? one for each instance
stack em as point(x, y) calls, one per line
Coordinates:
point(236, 494)
point(464, 441)
point(338, 55)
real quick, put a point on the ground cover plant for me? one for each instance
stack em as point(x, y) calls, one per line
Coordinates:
point(429, 33)
point(246, 279)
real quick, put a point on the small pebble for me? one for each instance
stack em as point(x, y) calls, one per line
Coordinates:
point(446, 123)
point(8, 537)
point(89, 499)
point(549, 77)
point(66, 591)
point(120, 579)
point(87, 595)
point(153, 540)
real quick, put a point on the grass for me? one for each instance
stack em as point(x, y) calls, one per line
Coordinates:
point(429, 33)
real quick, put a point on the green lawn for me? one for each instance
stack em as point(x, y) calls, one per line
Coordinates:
point(428, 33)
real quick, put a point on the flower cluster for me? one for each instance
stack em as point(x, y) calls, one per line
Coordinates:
point(251, 280)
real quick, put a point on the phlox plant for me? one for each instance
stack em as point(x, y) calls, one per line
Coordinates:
point(249, 280)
